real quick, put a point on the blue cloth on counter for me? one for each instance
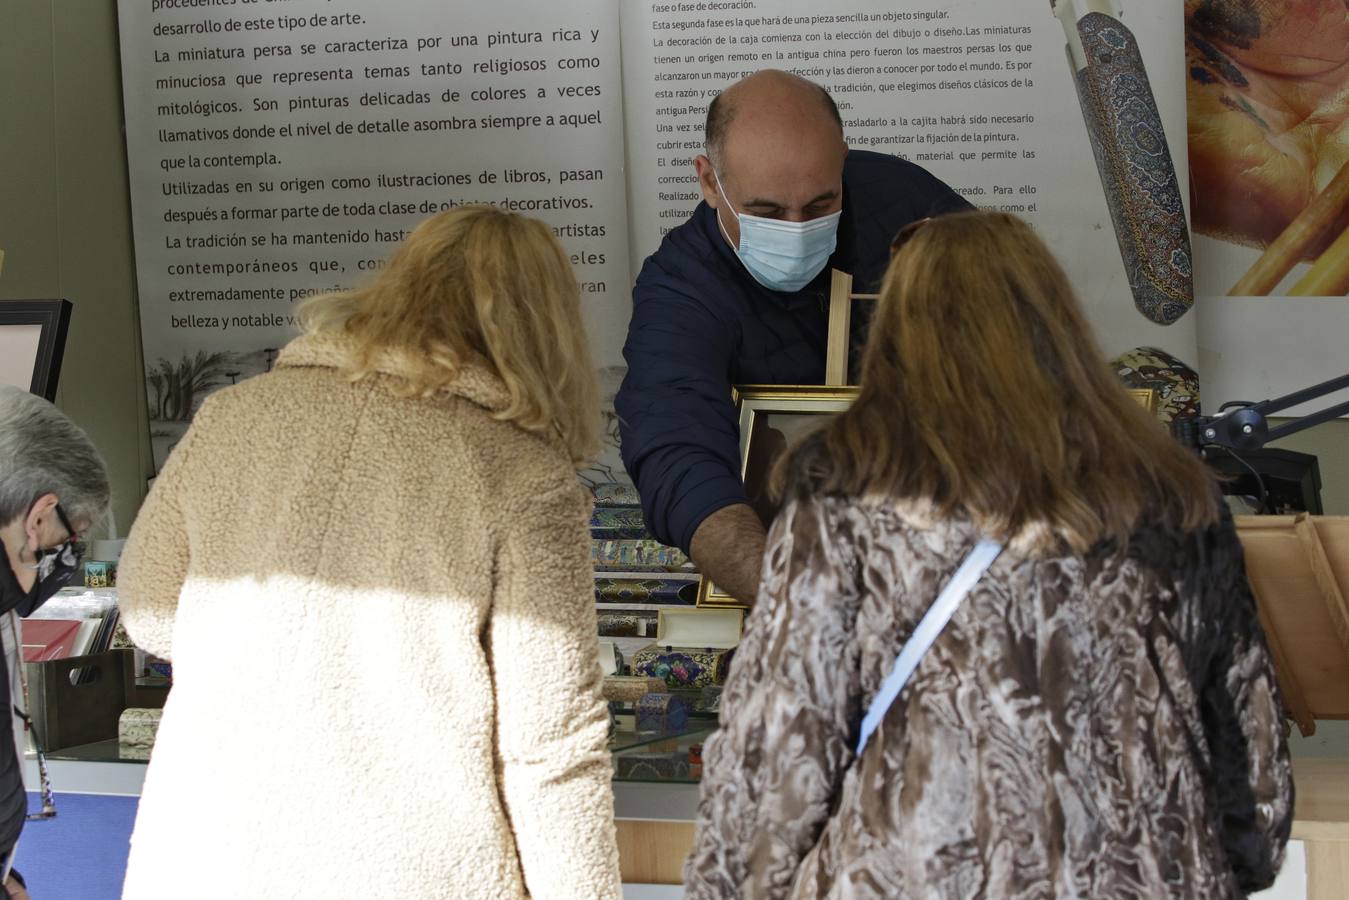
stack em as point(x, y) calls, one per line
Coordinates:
point(81, 854)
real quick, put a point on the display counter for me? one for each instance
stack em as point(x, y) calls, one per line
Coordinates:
point(656, 815)
point(655, 809)
point(655, 812)
point(1321, 819)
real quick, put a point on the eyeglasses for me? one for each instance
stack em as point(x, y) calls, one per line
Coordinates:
point(65, 523)
point(906, 233)
point(64, 553)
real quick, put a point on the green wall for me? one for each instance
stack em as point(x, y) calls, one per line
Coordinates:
point(65, 217)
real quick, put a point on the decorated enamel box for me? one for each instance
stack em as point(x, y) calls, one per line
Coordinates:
point(693, 647)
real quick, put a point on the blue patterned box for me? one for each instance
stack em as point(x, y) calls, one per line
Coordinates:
point(673, 588)
point(664, 713)
point(693, 647)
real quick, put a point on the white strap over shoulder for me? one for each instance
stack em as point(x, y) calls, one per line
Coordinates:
point(923, 637)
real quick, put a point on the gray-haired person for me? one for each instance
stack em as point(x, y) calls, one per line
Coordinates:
point(53, 487)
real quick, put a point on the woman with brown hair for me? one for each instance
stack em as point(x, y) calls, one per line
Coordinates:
point(370, 568)
point(1099, 716)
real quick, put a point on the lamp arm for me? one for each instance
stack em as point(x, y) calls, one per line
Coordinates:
point(1244, 427)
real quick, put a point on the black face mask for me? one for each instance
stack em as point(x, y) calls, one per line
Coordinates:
point(56, 567)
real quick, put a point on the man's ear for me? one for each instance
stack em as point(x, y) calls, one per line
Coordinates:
point(707, 180)
point(39, 518)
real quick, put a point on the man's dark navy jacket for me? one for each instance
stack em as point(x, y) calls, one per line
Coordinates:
point(701, 323)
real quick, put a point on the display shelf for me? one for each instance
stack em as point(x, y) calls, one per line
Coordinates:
point(112, 751)
point(109, 751)
point(667, 759)
point(625, 741)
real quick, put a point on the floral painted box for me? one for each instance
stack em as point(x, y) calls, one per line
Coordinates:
point(627, 624)
point(609, 523)
point(637, 555)
point(693, 647)
point(616, 494)
point(670, 588)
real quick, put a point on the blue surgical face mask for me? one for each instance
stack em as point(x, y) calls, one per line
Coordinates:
point(782, 256)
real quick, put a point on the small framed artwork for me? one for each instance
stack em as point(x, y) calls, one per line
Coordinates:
point(32, 343)
point(849, 320)
point(773, 418)
point(1146, 397)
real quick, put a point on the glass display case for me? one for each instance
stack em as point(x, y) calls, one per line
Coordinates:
point(673, 757)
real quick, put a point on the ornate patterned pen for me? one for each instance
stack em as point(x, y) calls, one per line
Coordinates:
point(1132, 157)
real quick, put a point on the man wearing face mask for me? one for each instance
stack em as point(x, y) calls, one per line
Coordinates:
point(53, 487)
point(739, 294)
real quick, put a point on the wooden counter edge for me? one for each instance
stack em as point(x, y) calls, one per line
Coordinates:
point(1321, 805)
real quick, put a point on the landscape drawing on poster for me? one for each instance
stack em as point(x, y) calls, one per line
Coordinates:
point(278, 151)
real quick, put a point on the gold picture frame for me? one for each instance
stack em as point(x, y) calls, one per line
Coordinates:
point(841, 357)
point(1146, 397)
point(772, 418)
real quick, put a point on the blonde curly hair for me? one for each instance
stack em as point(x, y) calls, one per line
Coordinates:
point(479, 285)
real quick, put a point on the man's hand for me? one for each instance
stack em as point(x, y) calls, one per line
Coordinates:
point(728, 548)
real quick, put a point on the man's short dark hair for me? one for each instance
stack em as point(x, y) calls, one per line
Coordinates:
point(720, 115)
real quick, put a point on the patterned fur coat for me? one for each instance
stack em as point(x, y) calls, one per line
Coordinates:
point(1098, 726)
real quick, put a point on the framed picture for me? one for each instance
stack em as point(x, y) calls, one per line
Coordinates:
point(773, 418)
point(849, 321)
point(32, 342)
point(1146, 397)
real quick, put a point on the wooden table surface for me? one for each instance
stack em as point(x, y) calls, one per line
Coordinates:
point(1321, 809)
point(654, 852)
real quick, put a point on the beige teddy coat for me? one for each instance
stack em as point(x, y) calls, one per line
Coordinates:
point(384, 646)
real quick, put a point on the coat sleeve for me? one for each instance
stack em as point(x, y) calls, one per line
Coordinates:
point(772, 770)
point(155, 559)
point(1244, 724)
point(552, 726)
point(680, 437)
